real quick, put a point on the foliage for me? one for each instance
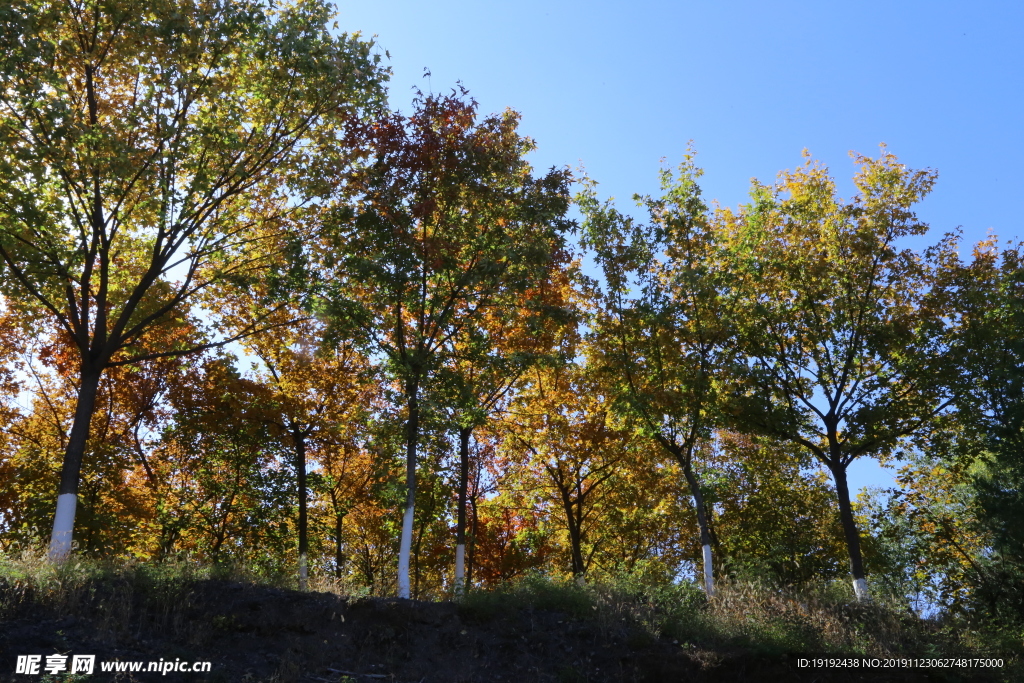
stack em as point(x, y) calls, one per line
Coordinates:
point(841, 331)
point(562, 427)
point(776, 519)
point(658, 328)
point(410, 326)
point(149, 153)
point(448, 224)
point(989, 386)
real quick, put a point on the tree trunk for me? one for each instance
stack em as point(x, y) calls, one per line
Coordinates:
point(471, 564)
point(575, 533)
point(702, 523)
point(339, 554)
point(169, 535)
point(299, 437)
point(576, 541)
point(460, 529)
point(412, 436)
point(67, 495)
point(427, 511)
point(860, 584)
point(579, 567)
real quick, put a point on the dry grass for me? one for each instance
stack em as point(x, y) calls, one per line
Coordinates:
point(115, 597)
point(819, 619)
point(742, 616)
point(122, 600)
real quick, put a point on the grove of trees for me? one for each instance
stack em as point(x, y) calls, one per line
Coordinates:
point(248, 314)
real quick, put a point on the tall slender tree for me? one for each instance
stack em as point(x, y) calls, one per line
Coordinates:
point(659, 323)
point(486, 362)
point(448, 223)
point(311, 387)
point(563, 425)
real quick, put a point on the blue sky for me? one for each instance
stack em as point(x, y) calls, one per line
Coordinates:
point(617, 86)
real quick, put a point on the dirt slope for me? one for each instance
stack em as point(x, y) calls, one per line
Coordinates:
point(254, 633)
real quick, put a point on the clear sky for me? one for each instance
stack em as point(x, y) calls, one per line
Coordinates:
point(617, 86)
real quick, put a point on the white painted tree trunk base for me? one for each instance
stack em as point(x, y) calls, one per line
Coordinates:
point(860, 588)
point(404, 550)
point(303, 572)
point(709, 575)
point(460, 569)
point(63, 527)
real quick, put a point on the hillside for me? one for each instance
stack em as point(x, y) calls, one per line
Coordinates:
point(545, 633)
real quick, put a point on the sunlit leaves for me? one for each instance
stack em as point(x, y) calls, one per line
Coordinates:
point(834, 305)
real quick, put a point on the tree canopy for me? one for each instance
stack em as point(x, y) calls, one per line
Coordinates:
point(148, 154)
point(249, 312)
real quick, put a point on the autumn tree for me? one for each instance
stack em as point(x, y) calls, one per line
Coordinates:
point(512, 534)
point(448, 223)
point(563, 425)
point(926, 542)
point(14, 339)
point(137, 140)
point(775, 517)
point(659, 324)
point(840, 331)
point(347, 478)
point(313, 401)
point(121, 487)
point(487, 360)
point(313, 390)
point(229, 488)
point(645, 526)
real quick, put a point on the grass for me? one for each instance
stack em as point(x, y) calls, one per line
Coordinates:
point(747, 619)
point(753, 617)
point(109, 594)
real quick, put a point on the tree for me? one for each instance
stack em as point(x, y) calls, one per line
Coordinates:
point(926, 542)
point(659, 323)
point(120, 484)
point(311, 388)
point(146, 152)
point(563, 423)
point(841, 331)
point(448, 223)
point(228, 491)
point(312, 394)
point(497, 516)
point(487, 360)
point(347, 478)
point(987, 296)
point(775, 518)
point(13, 340)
